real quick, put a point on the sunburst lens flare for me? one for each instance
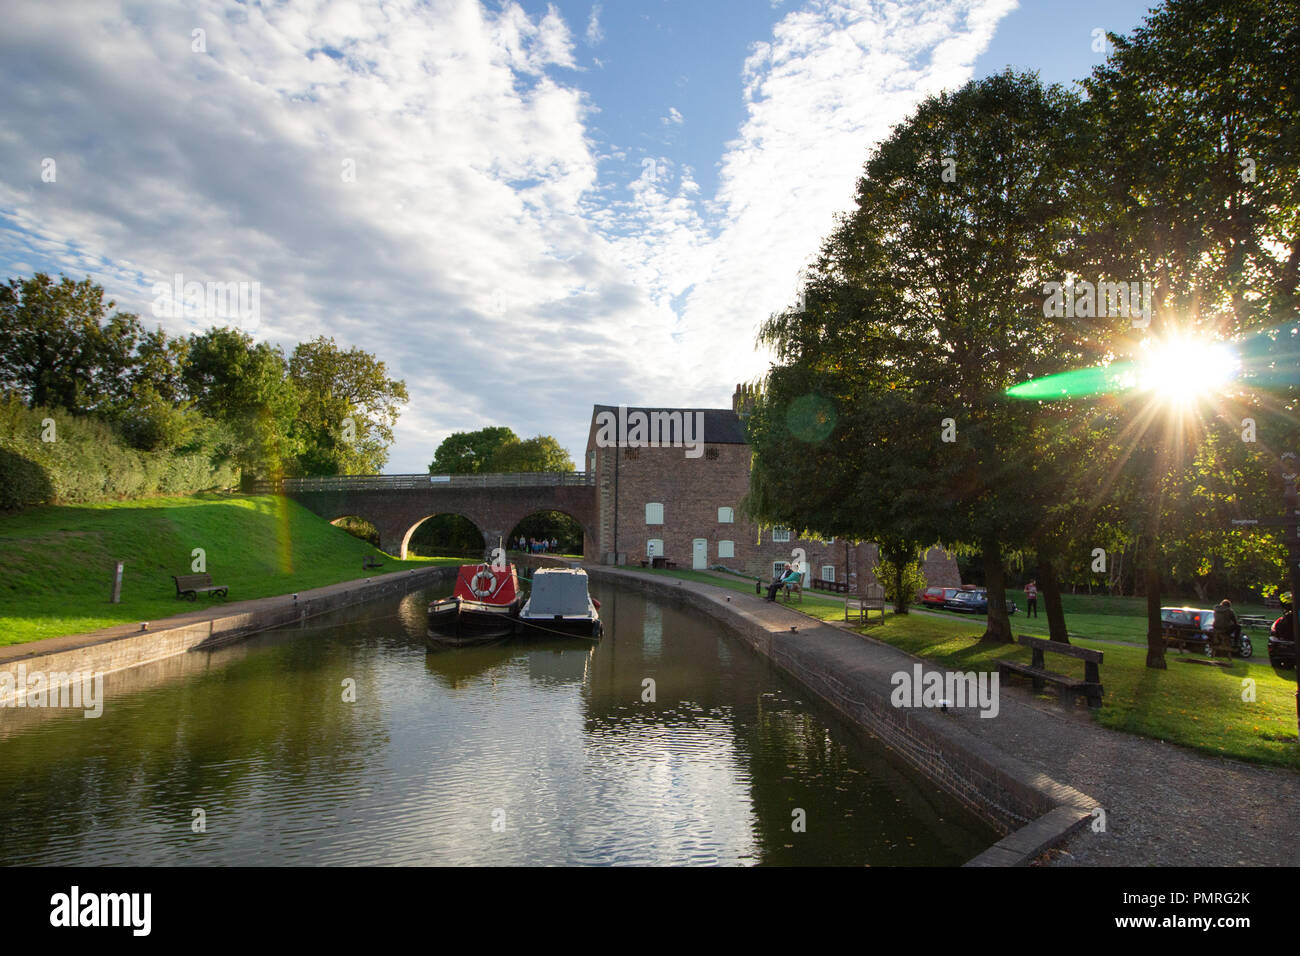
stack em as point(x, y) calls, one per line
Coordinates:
point(1179, 371)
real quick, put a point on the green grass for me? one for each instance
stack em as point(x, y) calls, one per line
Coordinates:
point(56, 563)
point(1194, 705)
point(1116, 618)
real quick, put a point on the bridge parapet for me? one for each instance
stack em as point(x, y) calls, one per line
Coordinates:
point(515, 479)
point(396, 504)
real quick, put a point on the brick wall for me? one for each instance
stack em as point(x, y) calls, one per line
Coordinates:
point(691, 490)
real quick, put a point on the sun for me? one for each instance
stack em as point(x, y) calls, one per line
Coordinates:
point(1182, 371)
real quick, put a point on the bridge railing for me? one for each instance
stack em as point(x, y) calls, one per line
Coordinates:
point(518, 479)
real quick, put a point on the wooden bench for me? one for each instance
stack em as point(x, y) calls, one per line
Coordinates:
point(792, 589)
point(825, 584)
point(192, 585)
point(1187, 637)
point(858, 611)
point(1272, 602)
point(1089, 686)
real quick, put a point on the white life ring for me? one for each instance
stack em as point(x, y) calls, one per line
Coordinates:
point(483, 591)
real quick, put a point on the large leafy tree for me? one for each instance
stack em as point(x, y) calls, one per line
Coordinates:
point(542, 453)
point(1195, 188)
point(347, 408)
point(468, 453)
point(924, 308)
point(245, 386)
point(61, 348)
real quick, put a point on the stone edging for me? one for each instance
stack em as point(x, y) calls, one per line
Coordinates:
point(120, 648)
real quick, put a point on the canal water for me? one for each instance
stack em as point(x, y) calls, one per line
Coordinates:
point(347, 741)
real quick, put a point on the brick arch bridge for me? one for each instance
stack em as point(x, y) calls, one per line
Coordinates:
point(396, 504)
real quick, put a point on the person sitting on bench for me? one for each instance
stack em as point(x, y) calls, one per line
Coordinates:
point(787, 576)
point(1227, 632)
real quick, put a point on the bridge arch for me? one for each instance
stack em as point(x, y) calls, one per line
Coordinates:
point(396, 504)
point(584, 532)
point(410, 532)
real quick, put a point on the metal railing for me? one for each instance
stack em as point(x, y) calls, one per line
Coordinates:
point(517, 479)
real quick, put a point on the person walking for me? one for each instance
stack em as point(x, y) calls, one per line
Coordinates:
point(1031, 599)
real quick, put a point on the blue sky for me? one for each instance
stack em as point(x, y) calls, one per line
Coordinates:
point(523, 208)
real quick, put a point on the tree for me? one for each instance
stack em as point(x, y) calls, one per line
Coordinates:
point(347, 408)
point(542, 453)
point(1194, 177)
point(59, 348)
point(924, 307)
point(467, 453)
point(246, 387)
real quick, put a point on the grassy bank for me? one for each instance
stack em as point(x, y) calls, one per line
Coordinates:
point(1194, 705)
point(56, 563)
point(1117, 618)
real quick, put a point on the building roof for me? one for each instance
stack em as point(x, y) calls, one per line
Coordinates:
point(722, 426)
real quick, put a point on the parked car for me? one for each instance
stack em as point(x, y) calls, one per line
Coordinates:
point(1281, 642)
point(974, 601)
point(936, 597)
point(1191, 625)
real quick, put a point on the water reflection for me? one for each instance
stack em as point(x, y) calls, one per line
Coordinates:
point(558, 740)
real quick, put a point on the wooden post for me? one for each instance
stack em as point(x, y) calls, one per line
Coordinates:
point(117, 583)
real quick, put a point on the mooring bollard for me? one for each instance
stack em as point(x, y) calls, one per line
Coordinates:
point(117, 583)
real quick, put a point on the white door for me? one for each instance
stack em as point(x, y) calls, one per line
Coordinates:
point(700, 558)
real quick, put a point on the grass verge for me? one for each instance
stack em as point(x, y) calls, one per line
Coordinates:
point(57, 562)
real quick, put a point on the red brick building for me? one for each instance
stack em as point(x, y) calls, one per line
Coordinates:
point(669, 482)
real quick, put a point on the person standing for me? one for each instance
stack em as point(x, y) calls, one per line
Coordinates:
point(1031, 599)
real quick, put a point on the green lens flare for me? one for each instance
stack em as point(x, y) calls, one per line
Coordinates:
point(1082, 382)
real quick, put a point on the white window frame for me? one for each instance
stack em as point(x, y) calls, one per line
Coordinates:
point(726, 549)
point(726, 515)
point(780, 535)
point(825, 576)
point(777, 568)
point(654, 512)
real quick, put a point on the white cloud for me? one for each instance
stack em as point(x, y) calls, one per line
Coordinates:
point(594, 32)
point(478, 252)
point(830, 83)
point(674, 118)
